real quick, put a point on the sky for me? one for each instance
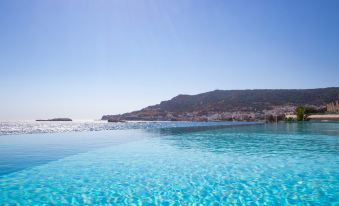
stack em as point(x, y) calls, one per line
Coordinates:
point(82, 59)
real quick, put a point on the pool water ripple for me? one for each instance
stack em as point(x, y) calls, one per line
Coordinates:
point(233, 166)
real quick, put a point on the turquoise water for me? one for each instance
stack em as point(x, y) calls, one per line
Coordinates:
point(283, 164)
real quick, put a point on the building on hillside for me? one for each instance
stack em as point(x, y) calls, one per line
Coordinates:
point(333, 107)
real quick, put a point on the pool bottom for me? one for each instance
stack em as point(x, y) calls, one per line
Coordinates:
point(173, 171)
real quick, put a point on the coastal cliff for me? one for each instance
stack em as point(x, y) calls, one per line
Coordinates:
point(247, 105)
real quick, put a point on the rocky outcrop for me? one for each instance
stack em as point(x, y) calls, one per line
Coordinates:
point(56, 120)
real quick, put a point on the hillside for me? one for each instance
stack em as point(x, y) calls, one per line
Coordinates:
point(225, 103)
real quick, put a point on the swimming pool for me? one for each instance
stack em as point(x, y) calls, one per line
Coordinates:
point(272, 164)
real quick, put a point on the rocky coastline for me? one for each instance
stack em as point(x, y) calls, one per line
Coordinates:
point(268, 105)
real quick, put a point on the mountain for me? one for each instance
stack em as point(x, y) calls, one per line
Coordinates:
point(227, 104)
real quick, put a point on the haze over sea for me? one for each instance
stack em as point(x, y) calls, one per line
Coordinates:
point(34, 127)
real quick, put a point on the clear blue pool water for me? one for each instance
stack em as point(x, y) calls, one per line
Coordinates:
point(273, 164)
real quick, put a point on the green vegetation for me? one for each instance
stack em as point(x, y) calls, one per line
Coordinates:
point(301, 113)
point(312, 110)
point(289, 119)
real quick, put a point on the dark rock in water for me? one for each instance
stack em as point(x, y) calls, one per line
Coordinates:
point(56, 120)
point(115, 120)
point(111, 117)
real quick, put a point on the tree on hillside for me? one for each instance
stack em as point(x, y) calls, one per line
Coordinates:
point(300, 111)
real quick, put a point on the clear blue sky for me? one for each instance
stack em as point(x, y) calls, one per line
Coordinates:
point(82, 59)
